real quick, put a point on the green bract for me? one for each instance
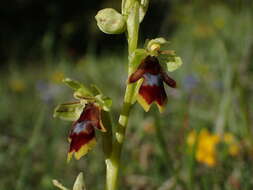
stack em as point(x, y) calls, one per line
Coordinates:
point(133, 26)
point(79, 183)
point(127, 5)
point(143, 9)
point(137, 56)
point(110, 21)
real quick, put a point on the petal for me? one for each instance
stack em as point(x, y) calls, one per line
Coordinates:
point(136, 75)
point(148, 65)
point(82, 139)
point(169, 81)
point(142, 101)
point(82, 135)
point(92, 113)
point(152, 93)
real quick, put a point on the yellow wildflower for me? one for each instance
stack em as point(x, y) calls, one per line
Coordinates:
point(205, 147)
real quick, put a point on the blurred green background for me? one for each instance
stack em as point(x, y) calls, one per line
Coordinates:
point(203, 140)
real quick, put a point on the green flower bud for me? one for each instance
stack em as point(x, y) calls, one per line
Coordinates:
point(110, 21)
point(79, 183)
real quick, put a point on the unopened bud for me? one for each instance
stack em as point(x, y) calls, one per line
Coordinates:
point(79, 183)
point(110, 21)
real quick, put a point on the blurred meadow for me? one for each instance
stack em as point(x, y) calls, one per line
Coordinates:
point(203, 141)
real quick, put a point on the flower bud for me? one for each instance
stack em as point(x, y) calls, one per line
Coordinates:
point(110, 21)
point(79, 183)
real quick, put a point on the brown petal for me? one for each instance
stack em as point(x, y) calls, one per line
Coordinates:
point(148, 65)
point(169, 81)
point(136, 75)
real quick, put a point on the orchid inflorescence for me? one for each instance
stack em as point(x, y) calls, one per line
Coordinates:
point(146, 78)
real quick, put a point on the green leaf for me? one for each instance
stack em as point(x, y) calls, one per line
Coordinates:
point(174, 64)
point(69, 111)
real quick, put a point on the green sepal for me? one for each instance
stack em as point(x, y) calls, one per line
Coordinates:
point(137, 56)
point(95, 90)
point(135, 60)
point(80, 89)
point(69, 111)
point(174, 63)
point(104, 102)
point(85, 95)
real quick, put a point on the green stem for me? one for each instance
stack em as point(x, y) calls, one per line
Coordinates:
point(113, 162)
point(107, 137)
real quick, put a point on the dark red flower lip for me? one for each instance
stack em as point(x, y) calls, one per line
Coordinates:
point(152, 88)
point(82, 135)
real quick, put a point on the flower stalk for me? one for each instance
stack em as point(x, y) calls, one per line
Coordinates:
point(113, 163)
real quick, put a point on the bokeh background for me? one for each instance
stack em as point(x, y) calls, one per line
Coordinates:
point(203, 140)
